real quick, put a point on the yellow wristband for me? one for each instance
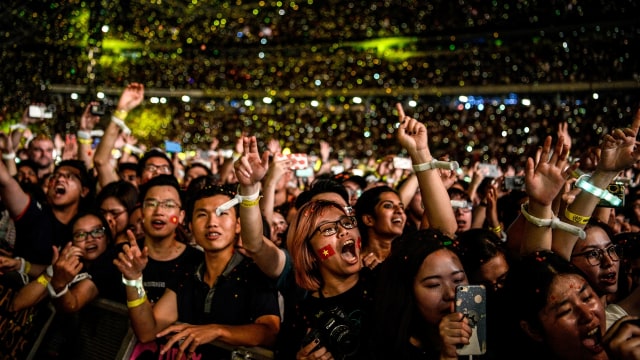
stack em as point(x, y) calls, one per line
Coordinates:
point(137, 302)
point(496, 230)
point(42, 280)
point(85, 141)
point(578, 219)
point(250, 203)
point(120, 114)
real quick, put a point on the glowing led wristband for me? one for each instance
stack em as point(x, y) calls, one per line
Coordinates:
point(553, 223)
point(584, 184)
point(436, 164)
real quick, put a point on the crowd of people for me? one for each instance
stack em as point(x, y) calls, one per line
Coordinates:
point(342, 262)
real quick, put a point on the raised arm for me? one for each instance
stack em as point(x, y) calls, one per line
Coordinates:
point(85, 138)
point(277, 169)
point(146, 320)
point(412, 135)
point(12, 195)
point(619, 151)
point(543, 181)
point(131, 97)
point(250, 169)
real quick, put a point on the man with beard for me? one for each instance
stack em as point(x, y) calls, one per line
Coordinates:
point(40, 151)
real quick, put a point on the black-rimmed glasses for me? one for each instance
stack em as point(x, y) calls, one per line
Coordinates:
point(594, 256)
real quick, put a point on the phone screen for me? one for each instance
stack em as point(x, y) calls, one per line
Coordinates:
point(471, 301)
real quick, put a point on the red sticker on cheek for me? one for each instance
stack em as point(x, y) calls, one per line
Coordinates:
point(174, 219)
point(326, 252)
point(359, 242)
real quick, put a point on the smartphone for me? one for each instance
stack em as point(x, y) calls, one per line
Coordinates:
point(489, 170)
point(305, 173)
point(402, 163)
point(514, 183)
point(471, 300)
point(98, 110)
point(39, 112)
point(172, 146)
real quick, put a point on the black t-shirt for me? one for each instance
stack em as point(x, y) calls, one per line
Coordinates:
point(37, 230)
point(240, 295)
point(341, 322)
point(158, 274)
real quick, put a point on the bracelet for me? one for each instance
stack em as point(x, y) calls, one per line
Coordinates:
point(436, 164)
point(42, 280)
point(137, 283)
point(137, 302)
point(9, 156)
point(553, 223)
point(250, 203)
point(120, 114)
point(128, 148)
point(584, 184)
point(85, 141)
point(81, 134)
point(497, 230)
point(246, 201)
point(53, 292)
point(121, 125)
point(18, 126)
point(578, 219)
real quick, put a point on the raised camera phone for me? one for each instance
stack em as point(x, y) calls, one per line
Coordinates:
point(618, 190)
point(514, 183)
point(471, 300)
point(403, 163)
point(39, 112)
point(98, 110)
point(489, 170)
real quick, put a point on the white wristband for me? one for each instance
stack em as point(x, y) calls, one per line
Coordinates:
point(137, 283)
point(53, 292)
point(121, 125)
point(553, 223)
point(81, 134)
point(436, 164)
point(235, 201)
point(9, 156)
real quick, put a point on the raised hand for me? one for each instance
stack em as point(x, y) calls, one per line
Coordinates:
point(618, 149)
point(251, 168)
point(131, 260)
point(88, 121)
point(67, 265)
point(545, 178)
point(412, 134)
point(131, 97)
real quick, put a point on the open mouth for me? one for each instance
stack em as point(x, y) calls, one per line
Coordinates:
point(593, 339)
point(610, 278)
point(348, 252)
point(60, 190)
point(397, 220)
point(91, 248)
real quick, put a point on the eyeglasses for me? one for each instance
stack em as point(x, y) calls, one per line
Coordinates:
point(162, 169)
point(81, 236)
point(165, 204)
point(114, 213)
point(595, 256)
point(330, 228)
point(66, 176)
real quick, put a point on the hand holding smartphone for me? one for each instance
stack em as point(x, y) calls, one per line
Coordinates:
point(471, 301)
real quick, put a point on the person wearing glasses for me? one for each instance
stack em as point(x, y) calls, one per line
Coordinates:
point(169, 256)
point(116, 201)
point(69, 281)
point(68, 193)
point(154, 163)
point(599, 259)
point(227, 298)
